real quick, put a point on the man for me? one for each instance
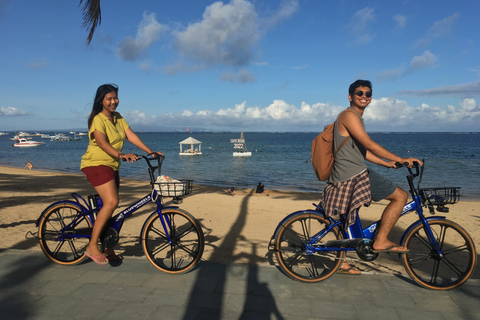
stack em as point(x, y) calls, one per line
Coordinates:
point(350, 163)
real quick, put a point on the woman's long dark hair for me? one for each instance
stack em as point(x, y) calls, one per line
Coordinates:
point(98, 102)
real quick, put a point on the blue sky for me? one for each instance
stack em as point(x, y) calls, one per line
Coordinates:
point(242, 65)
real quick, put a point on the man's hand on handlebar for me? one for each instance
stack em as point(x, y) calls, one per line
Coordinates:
point(411, 161)
point(156, 154)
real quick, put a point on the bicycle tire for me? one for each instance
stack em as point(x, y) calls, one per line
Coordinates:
point(186, 248)
point(290, 251)
point(68, 251)
point(427, 268)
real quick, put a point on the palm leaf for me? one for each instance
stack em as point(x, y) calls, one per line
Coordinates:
point(91, 16)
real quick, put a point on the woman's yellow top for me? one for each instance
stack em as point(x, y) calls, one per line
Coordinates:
point(115, 133)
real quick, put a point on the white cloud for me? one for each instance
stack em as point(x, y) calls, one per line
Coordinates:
point(427, 59)
point(11, 112)
point(439, 29)
point(225, 36)
point(383, 114)
point(400, 20)
point(148, 32)
point(301, 67)
point(285, 10)
point(359, 25)
point(471, 89)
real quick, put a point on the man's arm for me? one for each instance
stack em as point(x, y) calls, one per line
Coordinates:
point(350, 124)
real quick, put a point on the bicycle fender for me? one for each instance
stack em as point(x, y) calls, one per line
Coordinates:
point(294, 214)
point(416, 223)
point(74, 203)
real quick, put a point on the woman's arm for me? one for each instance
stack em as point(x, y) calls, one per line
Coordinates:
point(136, 141)
point(103, 143)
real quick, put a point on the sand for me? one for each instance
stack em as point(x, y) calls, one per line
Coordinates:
point(237, 228)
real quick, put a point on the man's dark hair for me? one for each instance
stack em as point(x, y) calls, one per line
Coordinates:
point(359, 83)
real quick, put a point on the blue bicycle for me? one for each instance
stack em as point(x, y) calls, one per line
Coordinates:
point(171, 238)
point(311, 247)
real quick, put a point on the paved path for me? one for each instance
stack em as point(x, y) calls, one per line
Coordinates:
point(32, 287)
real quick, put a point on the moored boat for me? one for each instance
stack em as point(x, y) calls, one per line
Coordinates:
point(22, 142)
point(240, 147)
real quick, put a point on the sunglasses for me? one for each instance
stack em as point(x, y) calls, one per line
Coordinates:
point(360, 93)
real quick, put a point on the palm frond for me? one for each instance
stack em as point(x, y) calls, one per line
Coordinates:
point(92, 16)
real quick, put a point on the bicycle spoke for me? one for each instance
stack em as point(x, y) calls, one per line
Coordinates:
point(294, 260)
point(185, 247)
point(291, 243)
point(443, 271)
point(158, 232)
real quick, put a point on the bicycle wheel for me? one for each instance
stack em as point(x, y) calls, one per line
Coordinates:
point(56, 241)
point(429, 269)
point(291, 253)
point(187, 241)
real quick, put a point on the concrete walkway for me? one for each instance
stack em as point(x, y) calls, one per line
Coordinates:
point(32, 287)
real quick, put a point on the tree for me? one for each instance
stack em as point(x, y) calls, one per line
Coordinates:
point(92, 16)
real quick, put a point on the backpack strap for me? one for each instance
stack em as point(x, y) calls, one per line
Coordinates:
point(341, 145)
point(347, 138)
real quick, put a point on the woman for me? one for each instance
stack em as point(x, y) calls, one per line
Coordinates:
point(107, 131)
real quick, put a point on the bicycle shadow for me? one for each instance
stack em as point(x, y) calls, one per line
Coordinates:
point(197, 302)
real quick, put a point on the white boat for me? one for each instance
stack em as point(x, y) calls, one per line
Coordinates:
point(22, 142)
point(240, 147)
point(60, 137)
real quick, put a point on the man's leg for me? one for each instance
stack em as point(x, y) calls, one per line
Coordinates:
point(390, 215)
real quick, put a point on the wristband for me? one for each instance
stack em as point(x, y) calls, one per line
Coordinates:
point(119, 154)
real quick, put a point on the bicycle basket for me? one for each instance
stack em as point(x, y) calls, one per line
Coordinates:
point(168, 187)
point(440, 196)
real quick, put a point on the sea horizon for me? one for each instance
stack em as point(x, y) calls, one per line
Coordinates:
point(280, 160)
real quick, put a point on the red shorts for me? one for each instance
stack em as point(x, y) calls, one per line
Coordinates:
point(100, 175)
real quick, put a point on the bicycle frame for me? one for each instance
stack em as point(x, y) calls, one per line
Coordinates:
point(356, 232)
point(115, 222)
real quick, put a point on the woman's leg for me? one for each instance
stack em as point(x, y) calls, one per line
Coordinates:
point(108, 193)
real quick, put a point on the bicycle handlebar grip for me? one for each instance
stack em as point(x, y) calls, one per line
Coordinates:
point(399, 165)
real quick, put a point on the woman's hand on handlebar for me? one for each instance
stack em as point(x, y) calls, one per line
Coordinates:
point(129, 157)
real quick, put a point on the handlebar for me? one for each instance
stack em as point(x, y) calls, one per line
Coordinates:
point(151, 167)
point(418, 170)
point(415, 171)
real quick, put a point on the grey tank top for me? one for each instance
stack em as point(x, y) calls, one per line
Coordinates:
point(350, 160)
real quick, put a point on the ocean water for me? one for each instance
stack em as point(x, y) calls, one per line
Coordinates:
point(279, 160)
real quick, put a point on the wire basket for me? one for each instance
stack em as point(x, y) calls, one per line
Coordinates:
point(440, 196)
point(177, 188)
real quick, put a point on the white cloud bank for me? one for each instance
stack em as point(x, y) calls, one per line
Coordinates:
point(384, 114)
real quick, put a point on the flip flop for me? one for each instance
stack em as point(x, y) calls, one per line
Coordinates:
point(390, 249)
point(96, 259)
point(346, 271)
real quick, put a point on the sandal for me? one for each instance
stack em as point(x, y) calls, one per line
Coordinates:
point(349, 271)
point(97, 259)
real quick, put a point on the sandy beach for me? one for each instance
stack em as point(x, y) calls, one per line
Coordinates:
point(237, 228)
